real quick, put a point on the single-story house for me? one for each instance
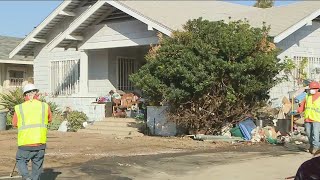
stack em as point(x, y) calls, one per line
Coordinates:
point(84, 49)
point(14, 72)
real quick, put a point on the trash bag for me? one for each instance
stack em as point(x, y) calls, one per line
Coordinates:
point(272, 141)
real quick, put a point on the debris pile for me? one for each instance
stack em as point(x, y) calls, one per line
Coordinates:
point(272, 124)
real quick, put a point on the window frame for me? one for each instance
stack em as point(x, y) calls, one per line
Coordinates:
point(52, 89)
point(21, 69)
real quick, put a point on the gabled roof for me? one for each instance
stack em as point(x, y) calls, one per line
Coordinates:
point(166, 16)
point(42, 30)
point(279, 18)
point(7, 44)
point(173, 14)
point(285, 20)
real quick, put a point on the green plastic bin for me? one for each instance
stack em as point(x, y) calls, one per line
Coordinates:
point(236, 132)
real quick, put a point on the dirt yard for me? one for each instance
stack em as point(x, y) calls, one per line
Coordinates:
point(93, 156)
point(65, 149)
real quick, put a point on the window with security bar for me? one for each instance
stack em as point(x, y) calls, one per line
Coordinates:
point(307, 67)
point(65, 77)
point(126, 67)
point(16, 77)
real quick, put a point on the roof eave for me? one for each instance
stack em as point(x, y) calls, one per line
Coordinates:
point(85, 15)
point(296, 26)
point(160, 27)
point(12, 61)
point(35, 31)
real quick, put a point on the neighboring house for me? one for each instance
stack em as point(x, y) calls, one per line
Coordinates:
point(84, 49)
point(14, 72)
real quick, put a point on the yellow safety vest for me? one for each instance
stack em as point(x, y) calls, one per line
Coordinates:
point(312, 109)
point(32, 122)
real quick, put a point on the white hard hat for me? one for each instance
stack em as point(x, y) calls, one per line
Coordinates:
point(29, 87)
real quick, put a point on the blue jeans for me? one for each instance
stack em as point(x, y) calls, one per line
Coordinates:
point(23, 157)
point(313, 133)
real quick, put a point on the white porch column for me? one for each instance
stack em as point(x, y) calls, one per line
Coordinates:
point(84, 58)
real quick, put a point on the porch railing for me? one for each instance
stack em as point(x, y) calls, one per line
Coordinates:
point(17, 82)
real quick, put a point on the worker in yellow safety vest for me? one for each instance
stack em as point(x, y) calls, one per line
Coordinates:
point(311, 108)
point(31, 118)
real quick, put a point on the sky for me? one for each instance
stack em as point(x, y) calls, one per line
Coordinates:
point(18, 18)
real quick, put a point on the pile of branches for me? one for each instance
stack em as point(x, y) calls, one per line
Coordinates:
point(209, 113)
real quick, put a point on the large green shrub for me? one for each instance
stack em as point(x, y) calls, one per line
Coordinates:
point(210, 73)
point(75, 120)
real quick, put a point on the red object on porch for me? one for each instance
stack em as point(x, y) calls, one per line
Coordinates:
point(127, 101)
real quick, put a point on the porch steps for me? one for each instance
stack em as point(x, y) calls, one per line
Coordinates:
point(114, 127)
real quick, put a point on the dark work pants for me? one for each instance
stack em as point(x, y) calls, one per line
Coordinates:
point(24, 156)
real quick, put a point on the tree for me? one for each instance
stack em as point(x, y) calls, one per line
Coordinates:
point(210, 73)
point(264, 3)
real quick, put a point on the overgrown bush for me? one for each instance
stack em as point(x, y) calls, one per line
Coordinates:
point(210, 73)
point(9, 121)
point(10, 99)
point(55, 123)
point(53, 106)
point(75, 120)
point(14, 97)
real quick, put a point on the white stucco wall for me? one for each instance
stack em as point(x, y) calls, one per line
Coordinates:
point(306, 43)
point(95, 112)
point(98, 72)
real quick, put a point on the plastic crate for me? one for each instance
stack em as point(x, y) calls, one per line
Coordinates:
point(236, 132)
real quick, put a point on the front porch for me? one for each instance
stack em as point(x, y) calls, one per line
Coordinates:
point(97, 72)
point(77, 83)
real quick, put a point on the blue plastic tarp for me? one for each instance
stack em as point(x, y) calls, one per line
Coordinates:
point(300, 97)
point(246, 128)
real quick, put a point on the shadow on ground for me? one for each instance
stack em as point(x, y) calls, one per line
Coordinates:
point(103, 170)
point(126, 168)
point(49, 174)
point(171, 164)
